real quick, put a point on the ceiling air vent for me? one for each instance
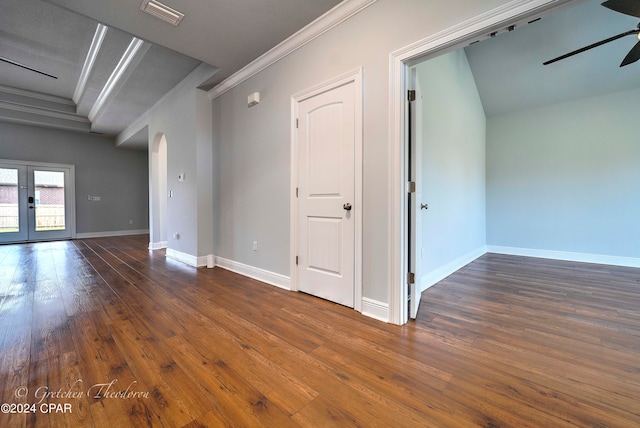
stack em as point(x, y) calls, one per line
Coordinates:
point(162, 12)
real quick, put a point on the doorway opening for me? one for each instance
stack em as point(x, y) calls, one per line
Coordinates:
point(404, 286)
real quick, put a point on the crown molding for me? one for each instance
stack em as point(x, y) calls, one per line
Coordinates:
point(38, 116)
point(324, 23)
point(83, 128)
point(36, 95)
point(42, 112)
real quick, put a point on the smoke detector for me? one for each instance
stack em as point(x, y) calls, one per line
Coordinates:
point(162, 11)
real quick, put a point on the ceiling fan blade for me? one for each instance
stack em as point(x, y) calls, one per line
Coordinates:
point(10, 61)
point(628, 7)
point(632, 56)
point(595, 45)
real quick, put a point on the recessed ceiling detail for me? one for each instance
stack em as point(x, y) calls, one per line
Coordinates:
point(106, 78)
point(162, 12)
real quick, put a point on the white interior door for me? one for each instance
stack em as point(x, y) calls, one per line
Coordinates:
point(326, 190)
point(36, 202)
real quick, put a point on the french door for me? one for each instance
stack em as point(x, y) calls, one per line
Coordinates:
point(36, 202)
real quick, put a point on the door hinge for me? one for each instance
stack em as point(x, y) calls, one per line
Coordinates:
point(296, 192)
point(411, 187)
point(411, 278)
point(297, 123)
point(411, 95)
point(296, 260)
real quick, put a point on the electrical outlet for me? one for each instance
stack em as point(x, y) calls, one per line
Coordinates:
point(255, 245)
point(176, 235)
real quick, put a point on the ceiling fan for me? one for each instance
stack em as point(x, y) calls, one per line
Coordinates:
point(10, 61)
point(628, 7)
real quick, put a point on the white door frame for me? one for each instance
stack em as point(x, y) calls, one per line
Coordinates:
point(400, 60)
point(351, 76)
point(71, 219)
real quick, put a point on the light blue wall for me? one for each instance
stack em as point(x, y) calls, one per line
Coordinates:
point(254, 143)
point(566, 177)
point(453, 161)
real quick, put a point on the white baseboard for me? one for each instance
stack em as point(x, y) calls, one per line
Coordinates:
point(266, 276)
point(566, 255)
point(442, 272)
point(371, 308)
point(375, 309)
point(111, 233)
point(157, 245)
point(188, 259)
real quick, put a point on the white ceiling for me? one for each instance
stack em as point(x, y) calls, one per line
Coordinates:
point(31, 33)
point(508, 68)
point(228, 34)
point(225, 34)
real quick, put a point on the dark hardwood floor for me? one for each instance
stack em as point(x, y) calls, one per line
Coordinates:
point(104, 333)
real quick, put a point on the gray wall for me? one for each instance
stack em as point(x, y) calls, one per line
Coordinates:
point(566, 177)
point(119, 177)
point(453, 161)
point(254, 144)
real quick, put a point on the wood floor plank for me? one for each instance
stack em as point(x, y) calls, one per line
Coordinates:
point(504, 342)
point(285, 390)
point(147, 364)
point(15, 343)
point(240, 404)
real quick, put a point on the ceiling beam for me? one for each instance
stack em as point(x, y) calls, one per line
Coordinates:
point(96, 43)
point(136, 49)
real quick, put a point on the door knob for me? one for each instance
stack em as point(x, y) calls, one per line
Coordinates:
point(347, 206)
point(424, 206)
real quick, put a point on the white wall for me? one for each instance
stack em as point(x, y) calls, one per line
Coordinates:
point(566, 177)
point(254, 143)
point(453, 162)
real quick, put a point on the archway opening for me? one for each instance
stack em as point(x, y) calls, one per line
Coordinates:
point(158, 193)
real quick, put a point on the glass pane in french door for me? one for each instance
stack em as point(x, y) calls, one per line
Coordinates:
point(9, 209)
point(49, 200)
point(13, 197)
